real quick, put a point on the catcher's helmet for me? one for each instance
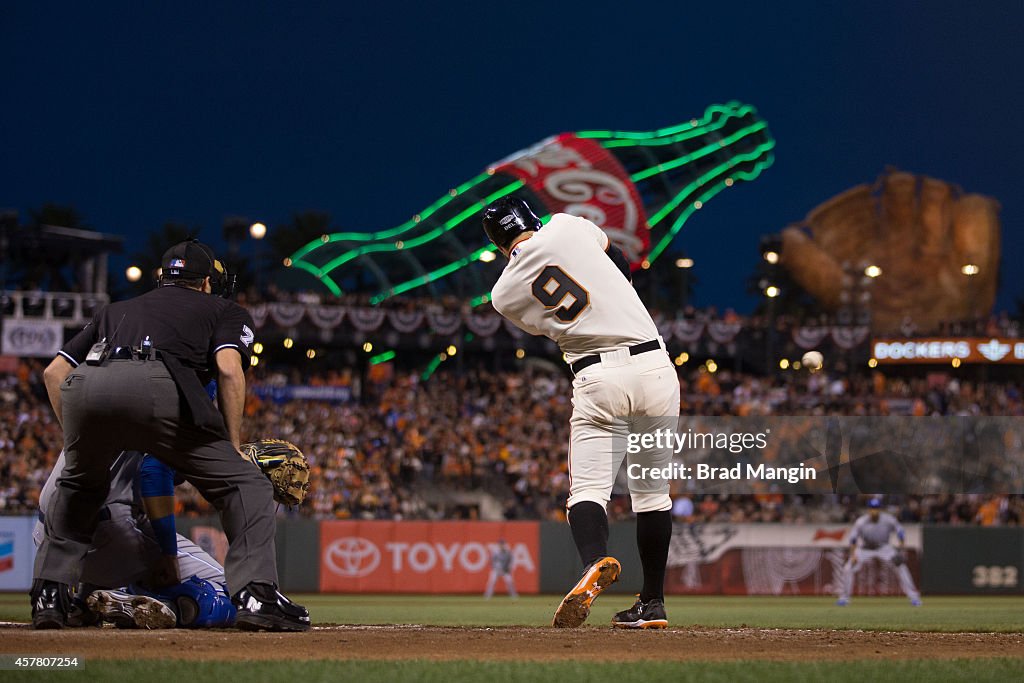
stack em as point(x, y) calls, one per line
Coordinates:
point(508, 217)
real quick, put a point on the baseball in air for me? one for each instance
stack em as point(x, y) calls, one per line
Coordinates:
point(813, 360)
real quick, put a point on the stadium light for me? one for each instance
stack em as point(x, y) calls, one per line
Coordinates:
point(133, 273)
point(311, 354)
point(289, 342)
point(367, 347)
point(684, 263)
point(520, 353)
point(487, 256)
point(254, 361)
point(771, 257)
point(451, 350)
point(784, 363)
point(711, 365)
point(872, 363)
point(257, 231)
point(955, 362)
point(872, 271)
point(771, 291)
point(970, 269)
point(257, 348)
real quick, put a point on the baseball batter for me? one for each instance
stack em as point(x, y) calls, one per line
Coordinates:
point(569, 283)
point(870, 539)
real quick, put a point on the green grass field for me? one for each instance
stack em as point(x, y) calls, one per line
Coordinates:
point(945, 614)
point(975, 671)
point(991, 614)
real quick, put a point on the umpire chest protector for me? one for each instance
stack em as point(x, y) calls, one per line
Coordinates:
point(185, 329)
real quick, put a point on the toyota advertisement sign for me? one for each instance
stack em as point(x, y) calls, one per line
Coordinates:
point(424, 557)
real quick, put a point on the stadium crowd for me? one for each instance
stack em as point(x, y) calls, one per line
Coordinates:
point(402, 444)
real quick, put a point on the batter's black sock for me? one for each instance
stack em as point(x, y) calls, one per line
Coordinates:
point(589, 524)
point(653, 535)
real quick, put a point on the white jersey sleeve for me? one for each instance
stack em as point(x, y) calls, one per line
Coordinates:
point(561, 284)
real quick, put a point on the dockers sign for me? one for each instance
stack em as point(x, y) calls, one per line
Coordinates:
point(991, 350)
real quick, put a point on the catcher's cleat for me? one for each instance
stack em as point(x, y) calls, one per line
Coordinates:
point(125, 610)
point(650, 614)
point(575, 606)
point(50, 604)
point(261, 607)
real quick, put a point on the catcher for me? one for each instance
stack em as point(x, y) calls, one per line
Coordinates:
point(140, 573)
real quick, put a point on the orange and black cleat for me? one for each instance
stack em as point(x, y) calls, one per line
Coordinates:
point(575, 606)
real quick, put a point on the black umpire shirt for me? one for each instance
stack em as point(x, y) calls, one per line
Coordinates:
point(186, 326)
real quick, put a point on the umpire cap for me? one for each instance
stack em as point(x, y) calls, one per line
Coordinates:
point(192, 259)
point(508, 217)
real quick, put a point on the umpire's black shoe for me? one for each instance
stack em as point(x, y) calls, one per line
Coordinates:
point(650, 614)
point(50, 604)
point(261, 607)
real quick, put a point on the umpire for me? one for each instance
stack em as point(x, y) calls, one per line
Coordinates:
point(133, 380)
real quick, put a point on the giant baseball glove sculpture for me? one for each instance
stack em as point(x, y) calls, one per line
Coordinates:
point(937, 248)
point(284, 465)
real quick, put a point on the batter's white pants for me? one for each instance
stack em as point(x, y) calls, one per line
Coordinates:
point(610, 399)
point(885, 554)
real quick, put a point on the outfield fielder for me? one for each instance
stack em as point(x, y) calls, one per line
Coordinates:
point(568, 282)
point(501, 566)
point(869, 540)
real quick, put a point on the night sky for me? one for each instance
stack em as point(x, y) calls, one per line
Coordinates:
point(141, 113)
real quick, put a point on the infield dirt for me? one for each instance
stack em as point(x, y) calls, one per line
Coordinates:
point(526, 644)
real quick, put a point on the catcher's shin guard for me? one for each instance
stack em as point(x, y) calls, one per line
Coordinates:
point(575, 606)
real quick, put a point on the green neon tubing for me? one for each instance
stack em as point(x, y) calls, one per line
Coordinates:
point(664, 132)
point(679, 137)
point(702, 152)
point(431, 367)
point(319, 275)
point(393, 232)
point(441, 272)
point(382, 357)
point(681, 195)
point(711, 192)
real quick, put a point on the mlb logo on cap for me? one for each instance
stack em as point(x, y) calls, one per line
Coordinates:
point(177, 263)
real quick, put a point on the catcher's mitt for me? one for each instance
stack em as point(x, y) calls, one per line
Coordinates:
point(284, 465)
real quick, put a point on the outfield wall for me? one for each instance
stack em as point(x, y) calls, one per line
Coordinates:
point(704, 559)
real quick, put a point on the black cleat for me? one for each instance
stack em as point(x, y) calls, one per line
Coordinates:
point(261, 607)
point(650, 614)
point(50, 604)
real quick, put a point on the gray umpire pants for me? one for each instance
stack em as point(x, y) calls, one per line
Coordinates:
point(135, 405)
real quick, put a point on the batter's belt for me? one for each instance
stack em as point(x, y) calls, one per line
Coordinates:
point(635, 350)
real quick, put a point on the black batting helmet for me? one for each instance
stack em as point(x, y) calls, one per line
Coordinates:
point(508, 217)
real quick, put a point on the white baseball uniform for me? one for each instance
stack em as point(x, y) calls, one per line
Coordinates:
point(872, 541)
point(561, 284)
